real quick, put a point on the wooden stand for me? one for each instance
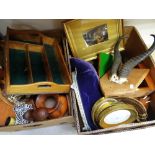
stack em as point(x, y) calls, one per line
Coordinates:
point(131, 88)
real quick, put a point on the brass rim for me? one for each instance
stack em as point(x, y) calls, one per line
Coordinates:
point(104, 107)
point(100, 102)
point(104, 113)
point(140, 108)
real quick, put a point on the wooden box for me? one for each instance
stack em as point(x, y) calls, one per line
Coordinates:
point(35, 69)
point(33, 36)
point(87, 48)
point(29, 36)
point(67, 118)
point(133, 45)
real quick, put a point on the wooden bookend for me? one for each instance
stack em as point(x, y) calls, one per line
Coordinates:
point(130, 88)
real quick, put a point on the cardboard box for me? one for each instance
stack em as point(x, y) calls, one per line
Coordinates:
point(134, 45)
point(68, 118)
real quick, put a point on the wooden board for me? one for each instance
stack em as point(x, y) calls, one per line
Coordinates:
point(6, 110)
point(135, 78)
point(148, 78)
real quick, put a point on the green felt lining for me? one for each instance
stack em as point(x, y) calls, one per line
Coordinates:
point(37, 66)
point(54, 64)
point(105, 62)
point(18, 67)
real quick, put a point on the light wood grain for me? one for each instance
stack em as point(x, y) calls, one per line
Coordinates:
point(148, 78)
point(135, 78)
point(42, 87)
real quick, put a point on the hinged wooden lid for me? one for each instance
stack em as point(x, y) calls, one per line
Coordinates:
point(88, 37)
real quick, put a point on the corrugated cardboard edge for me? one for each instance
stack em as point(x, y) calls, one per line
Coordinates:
point(67, 119)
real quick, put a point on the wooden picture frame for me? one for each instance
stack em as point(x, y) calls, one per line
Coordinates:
point(88, 37)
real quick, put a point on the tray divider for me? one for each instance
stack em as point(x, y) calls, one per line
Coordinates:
point(29, 65)
point(46, 65)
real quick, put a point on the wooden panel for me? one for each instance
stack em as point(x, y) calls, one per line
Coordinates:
point(33, 35)
point(38, 88)
point(66, 119)
point(30, 36)
point(135, 46)
point(135, 78)
point(148, 79)
point(6, 110)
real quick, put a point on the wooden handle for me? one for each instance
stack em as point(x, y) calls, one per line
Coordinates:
point(44, 86)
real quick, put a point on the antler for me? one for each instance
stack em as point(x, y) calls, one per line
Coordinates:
point(117, 61)
point(131, 63)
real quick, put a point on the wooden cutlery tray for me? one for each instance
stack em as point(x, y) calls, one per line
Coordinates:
point(35, 69)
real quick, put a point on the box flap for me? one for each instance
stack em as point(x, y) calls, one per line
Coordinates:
point(88, 37)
